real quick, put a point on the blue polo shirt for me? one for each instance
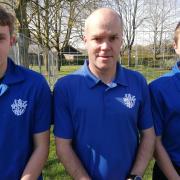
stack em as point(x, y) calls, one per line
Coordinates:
point(165, 95)
point(102, 120)
point(25, 109)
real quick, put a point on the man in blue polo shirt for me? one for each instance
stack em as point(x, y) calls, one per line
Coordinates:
point(165, 93)
point(25, 101)
point(100, 110)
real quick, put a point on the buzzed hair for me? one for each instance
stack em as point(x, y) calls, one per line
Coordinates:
point(176, 33)
point(7, 19)
point(113, 11)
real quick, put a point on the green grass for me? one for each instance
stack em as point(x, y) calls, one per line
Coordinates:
point(149, 72)
point(53, 169)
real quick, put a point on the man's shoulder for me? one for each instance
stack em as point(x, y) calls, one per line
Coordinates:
point(29, 74)
point(133, 74)
point(72, 78)
point(30, 78)
point(162, 82)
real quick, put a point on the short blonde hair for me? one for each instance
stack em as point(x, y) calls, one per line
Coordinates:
point(176, 33)
point(7, 19)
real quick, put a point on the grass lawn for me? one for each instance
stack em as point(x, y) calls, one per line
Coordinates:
point(53, 169)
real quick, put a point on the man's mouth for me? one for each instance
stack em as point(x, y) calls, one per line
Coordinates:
point(104, 56)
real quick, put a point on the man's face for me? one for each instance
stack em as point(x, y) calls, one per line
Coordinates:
point(5, 43)
point(177, 46)
point(103, 40)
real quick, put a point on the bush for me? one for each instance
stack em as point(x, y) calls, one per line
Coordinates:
point(164, 61)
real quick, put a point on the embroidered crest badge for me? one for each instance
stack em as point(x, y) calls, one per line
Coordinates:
point(128, 100)
point(19, 107)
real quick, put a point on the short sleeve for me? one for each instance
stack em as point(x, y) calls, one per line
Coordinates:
point(157, 106)
point(145, 113)
point(43, 107)
point(63, 126)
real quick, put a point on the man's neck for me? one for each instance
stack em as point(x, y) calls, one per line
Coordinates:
point(105, 76)
point(3, 67)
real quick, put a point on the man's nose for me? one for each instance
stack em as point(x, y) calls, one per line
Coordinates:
point(105, 45)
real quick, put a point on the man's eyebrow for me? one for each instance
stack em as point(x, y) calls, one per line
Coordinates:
point(114, 35)
point(97, 35)
point(101, 35)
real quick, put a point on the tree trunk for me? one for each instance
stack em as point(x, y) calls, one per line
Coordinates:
point(21, 15)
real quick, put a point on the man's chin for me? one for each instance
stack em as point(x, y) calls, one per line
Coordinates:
point(105, 66)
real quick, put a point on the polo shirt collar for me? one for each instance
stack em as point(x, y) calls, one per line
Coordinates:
point(92, 80)
point(13, 74)
point(121, 78)
point(176, 69)
point(176, 76)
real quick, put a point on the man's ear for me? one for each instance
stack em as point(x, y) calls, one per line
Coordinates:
point(84, 39)
point(12, 40)
point(174, 45)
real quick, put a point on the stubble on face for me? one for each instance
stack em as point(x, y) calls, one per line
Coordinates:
point(103, 25)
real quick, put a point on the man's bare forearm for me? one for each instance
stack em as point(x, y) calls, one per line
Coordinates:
point(38, 158)
point(70, 160)
point(164, 161)
point(145, 152)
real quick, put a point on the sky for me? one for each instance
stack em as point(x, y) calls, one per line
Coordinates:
point(178, 9)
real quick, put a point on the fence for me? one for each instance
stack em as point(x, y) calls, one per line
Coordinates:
point(36, 57)
point(46, 61)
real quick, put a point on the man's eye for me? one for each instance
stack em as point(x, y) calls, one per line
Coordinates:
point(97, 39)
point(113, 38)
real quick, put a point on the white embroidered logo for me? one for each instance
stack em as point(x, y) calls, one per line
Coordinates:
point(19, 107)
point(128, 100)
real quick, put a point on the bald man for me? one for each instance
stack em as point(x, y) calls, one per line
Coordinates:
point(103, 123)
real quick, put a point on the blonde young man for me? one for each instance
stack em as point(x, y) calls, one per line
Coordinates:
point(25, 113)
point(100, 109)
point(165, 93)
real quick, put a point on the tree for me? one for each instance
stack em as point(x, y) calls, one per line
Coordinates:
point(53, 24)
point(159, 22)
point(20, 9)
point(129, 12)
point(133, 16)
